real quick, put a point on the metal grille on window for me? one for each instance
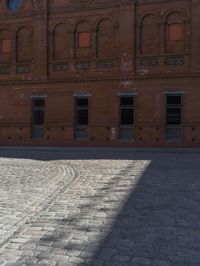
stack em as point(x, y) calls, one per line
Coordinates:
point(174, 117)
point(126, 129)
point(38, 110)
point(81, 118)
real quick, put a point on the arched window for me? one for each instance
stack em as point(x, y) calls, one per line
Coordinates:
point(175, 33)
point(83, 42)
point(60, 42)
point(105, 39)
point(24, 45)
point(150, 35)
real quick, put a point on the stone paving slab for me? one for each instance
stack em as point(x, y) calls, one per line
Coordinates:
point(96, 208)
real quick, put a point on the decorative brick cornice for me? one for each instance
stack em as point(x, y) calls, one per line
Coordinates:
point(103, 79)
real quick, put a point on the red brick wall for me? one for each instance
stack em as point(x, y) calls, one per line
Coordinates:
point(133, 59)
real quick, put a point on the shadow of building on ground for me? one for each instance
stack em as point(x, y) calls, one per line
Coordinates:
point(159, 222)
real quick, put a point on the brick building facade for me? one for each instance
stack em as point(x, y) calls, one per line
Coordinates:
point(100, 73)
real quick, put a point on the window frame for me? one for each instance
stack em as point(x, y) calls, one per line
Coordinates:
point(126, 127)
point(177, 126)
point(37, 127)
point(81, 128)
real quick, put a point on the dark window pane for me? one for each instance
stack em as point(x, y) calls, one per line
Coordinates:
point(126, 116)
point(173, 116)
point(38, 117)
point(82, 117)
point(82, 102)
point(127, 101)
point(38, 102)
point(174, 100)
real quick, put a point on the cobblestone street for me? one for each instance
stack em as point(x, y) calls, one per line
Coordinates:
point(117, 207)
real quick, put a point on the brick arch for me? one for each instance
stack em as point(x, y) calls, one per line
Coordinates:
point(153, 13)
point(78, 21)
point(174, 17)
point(112, 19)
point(181, 11)
point(18, 27)
point(150, 34)
point(82, 25)
point(6, 32)
point(106, 38)
point(24, 44)
point(60, 41)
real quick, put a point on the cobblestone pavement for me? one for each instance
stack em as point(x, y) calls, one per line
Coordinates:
point(99, 207)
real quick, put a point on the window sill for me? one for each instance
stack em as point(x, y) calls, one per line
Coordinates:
point(79, 140)
point(127, 140)
point(174, 140)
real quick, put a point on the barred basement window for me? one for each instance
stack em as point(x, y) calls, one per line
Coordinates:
point(126, 117)
point(174, 117)
point(81, 118)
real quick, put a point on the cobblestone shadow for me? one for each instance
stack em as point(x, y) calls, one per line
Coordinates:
point(159, 224)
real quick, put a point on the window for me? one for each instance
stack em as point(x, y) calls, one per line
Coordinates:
point(38, 112)
point(81, 118)
point(38, 116)
point(126, 117)
point(173, 117)
point(83, 40)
